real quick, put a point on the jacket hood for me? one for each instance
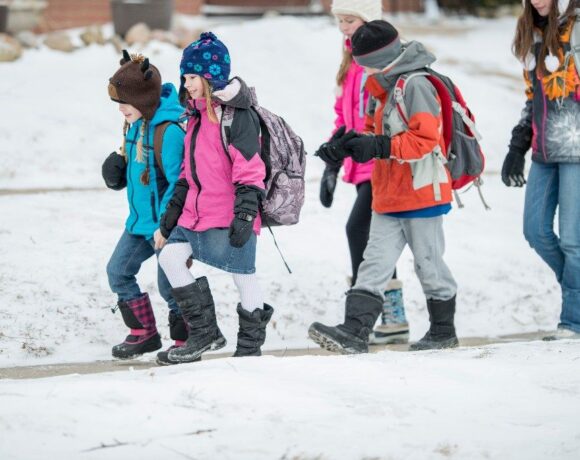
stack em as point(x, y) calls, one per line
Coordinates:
point(414, 57)
point(236, 94)
point(169, 107)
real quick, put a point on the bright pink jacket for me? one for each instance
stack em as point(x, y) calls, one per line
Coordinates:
point(212, 173)
point(350, 112)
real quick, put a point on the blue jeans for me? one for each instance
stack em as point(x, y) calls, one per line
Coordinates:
point(552, 186)
point(125, 263)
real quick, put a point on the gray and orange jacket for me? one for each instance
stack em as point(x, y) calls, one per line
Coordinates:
point(552, 109)
point(415, 176)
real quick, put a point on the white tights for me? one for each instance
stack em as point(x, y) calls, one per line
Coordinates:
point(173, 259)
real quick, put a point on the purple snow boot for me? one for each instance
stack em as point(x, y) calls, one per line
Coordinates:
point(143, 338)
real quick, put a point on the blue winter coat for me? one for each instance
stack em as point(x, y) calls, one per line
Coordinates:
point(148, 202)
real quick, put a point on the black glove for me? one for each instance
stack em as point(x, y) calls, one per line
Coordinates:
point(241, 229)
point(365, 148)
point(512, 171)
point(333, 152)
point(114, 171)
point(328, 184)
point(246, 208)
point(174, 208)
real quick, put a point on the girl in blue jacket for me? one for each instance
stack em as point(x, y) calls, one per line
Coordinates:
point(151, 111)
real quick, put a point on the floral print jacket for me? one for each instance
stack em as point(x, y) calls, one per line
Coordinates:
point(552, 109)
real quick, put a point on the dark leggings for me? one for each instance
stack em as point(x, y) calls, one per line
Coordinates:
point(358, 226)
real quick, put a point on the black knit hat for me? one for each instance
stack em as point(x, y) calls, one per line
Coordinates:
point(376, 44)
point(138, 83)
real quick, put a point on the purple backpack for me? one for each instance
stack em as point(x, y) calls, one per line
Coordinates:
point(283, 154)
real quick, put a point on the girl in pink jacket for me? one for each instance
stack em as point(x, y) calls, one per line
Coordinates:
point(213, 216)
point(350, 114)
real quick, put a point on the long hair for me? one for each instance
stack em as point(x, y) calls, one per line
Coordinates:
point(524, 37)
point(344, 65)
point(207, 92)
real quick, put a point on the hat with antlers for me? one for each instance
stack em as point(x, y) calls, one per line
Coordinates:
point(137, 83)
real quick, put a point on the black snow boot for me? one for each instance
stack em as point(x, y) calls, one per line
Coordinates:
point(362, 310)
point(441, 333)
point(252, 331)
point(178, 333)
point(143, 337)
point(198, 309)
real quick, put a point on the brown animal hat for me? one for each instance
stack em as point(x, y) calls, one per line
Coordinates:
point(138, 83)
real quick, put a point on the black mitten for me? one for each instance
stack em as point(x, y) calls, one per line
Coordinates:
point(328, 185)
point(174, 208)
point(246, 208)
point(365, 148)
point(333, 151)
point(114, 171)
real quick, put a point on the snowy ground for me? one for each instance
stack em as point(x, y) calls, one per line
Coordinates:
point(57, 127)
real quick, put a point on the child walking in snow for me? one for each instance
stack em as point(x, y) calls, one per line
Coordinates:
point(350, 114)
point(214, 215)
point(411, 192)
point(150, 109)
point(548, 126)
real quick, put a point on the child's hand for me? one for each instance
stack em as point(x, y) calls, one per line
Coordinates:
point(241, 229)
point(333, 151)
point(159, 240)
point(114, 171)
point(365, 148)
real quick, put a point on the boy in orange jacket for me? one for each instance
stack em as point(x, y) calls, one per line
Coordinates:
point(411, 191)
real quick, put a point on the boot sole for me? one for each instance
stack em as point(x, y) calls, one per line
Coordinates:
point(328, 343)
point(161, 362)
point(437, 346)
point(148, 349)
point(215, 345)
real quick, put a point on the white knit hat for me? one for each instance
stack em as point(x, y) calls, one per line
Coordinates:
point(367, 10)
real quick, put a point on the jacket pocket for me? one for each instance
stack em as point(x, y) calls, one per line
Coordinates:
point(429, 170)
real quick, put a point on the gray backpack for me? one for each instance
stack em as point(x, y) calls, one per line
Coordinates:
point(283, 154)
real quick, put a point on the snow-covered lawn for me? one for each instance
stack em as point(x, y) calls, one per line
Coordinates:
point(57, 125)
point(518, 401)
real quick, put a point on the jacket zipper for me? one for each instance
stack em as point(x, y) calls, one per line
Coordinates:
point(129, 161)
point(192, 162)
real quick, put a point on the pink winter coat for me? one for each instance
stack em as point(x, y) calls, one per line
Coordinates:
point(212, 174)
point(350, 110)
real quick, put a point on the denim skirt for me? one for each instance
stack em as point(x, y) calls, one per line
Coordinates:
point(212, 247)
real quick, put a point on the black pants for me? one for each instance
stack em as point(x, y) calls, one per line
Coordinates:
point(358, 226)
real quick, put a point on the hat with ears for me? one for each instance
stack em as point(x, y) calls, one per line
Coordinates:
point(367, 10)
point(137, 83)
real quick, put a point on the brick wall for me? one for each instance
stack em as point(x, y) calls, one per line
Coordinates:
point(64, 14)
point(392, 6)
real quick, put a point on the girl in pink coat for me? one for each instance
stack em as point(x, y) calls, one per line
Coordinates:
point(213, 216)
point(350, 114)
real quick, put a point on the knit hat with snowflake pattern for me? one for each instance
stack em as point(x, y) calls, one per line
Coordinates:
point(209, 58)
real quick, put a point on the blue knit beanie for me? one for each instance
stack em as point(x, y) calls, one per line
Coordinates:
point(209, 58)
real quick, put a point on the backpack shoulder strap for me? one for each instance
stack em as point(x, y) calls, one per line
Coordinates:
point(158, 143)
point(399, 93)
